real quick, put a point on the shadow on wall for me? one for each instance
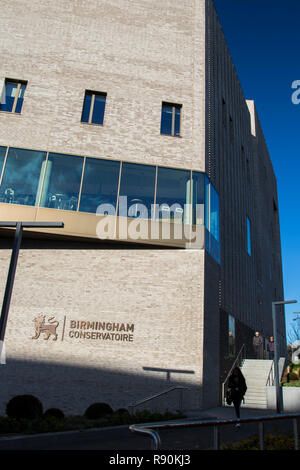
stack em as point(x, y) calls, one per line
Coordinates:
point(74, 388)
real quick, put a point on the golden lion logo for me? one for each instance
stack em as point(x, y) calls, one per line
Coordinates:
point(48, 329)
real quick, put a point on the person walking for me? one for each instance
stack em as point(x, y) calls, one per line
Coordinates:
point(258, 346)
point(270, 348)
point(236, 390)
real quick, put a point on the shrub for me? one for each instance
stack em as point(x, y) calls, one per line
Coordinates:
point(293, 376)
point(54, 413)
point(24, 407)
point(121, 411)
point(292, 384)
point(271, 442)
point(98, 410)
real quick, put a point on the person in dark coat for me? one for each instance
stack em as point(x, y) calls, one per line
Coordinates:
point(270, 347)
point(237, 389)
point(258, 346)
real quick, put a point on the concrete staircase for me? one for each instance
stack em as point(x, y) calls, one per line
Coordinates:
point(256, 372)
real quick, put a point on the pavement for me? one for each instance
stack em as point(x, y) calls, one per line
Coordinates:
point(120, 438)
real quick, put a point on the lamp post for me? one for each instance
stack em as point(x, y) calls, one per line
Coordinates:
point(12, 268)
point(276, 358)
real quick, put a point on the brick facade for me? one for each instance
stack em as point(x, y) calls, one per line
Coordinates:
point(141, 54)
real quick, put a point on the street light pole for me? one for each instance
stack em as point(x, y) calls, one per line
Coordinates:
point(276, 358)
point(13, 266)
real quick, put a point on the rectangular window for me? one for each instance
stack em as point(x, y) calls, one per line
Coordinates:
point(173, 195)
point(100, 186)
point(212, 221)
point(93, 107)
point(138, 185)
point(171, 119)
point(231, 335)
point(62, 182)
point(248, 236)
point(12, 96)
point(22, 177)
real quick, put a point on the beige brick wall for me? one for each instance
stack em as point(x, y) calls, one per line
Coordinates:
point(141, 53)
point(157, 291)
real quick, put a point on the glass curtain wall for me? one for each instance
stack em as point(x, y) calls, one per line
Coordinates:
point(100, 186)
point(22, 177)
point(212, 221)
point(173, 197)
point(62, 182)
point(75, 183)
point(137, 190)
point(198, 197)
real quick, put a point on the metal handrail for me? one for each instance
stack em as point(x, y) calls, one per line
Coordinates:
point(150, 429)
point(271, 376)
point(164, 392)
point(238, 360)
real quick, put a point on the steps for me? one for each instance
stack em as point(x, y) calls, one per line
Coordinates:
point(256, 373)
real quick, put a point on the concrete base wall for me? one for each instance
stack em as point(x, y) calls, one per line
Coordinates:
point(291, 398)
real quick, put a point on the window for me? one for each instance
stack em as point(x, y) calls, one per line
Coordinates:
point(12, 96)
point(62, 182)
point(212, 221)
point(231, 336)
point(248, 236)
point(138, 185)
point(100, 185)
point(22, 177)
point(93, 107)
point(170, 119)
point(198, 198)
point(173, 194)
point(212, 215)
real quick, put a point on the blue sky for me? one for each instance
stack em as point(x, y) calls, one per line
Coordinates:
point(264, 40)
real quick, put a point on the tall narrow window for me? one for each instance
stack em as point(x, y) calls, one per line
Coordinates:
point(12, 96)
point(248, 236)
point(231, 336)
point(171, 119)
point(93, 107)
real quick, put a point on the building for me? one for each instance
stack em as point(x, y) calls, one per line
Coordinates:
point(124, 119)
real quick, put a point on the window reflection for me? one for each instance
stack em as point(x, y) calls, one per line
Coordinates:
point(93, 107)
point(13, 96)
point(100, 184)
point(212, 224)
point(170, 119)
point(182, 196)
point(138, 185)
point(214, 213)
point(231, 336)
point(173, 193)
point(22, 177)
point(62, 182)
point(248, 236)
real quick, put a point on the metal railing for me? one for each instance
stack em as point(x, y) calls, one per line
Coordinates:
point(164, 392)
point(238, 361)
point(271, 376)
point(152, 429)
